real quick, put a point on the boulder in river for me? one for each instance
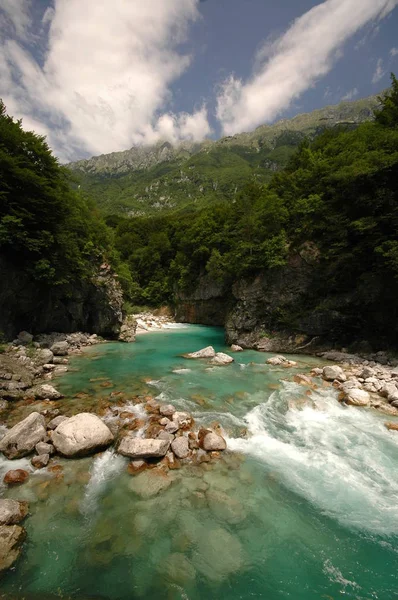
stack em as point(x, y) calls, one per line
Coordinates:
point(15, 476)
point(275, 361)
point(391, 426)
point(356, 397)
point(143, 448)
point(236, 348)
point(182, 419)
point(222, 359)
point(332, 373)
point(180, 447)
point(80, 435)
point(213, 442)
point(23, 437)
point(12, 511)
point(11, 538)
point(167, 410)
point(40, 461)
point(207, 352)
point(44, 448)
point(46, 391)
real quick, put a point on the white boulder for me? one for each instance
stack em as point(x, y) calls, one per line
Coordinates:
point(80, 435)
point(207, 352)
point(222, 359)
point(332, 373)
point(143, 448)
point(23, 437)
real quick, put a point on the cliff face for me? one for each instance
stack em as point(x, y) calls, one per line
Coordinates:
point(94, 306)
point(273, 311)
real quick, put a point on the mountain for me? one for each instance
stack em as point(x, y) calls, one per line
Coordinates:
point(163, 177)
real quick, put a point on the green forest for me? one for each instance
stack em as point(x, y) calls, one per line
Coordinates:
point(337, 193)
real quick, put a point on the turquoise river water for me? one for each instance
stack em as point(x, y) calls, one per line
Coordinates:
point(303, 505)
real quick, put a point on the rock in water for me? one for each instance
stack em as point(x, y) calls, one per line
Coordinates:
point(80, 435)
point(44, 448)
point(11, 538)
point(167, 410)
point(150, 483)
point(236, 348)
point(356, 397)
point(275, 361)
point(207, 352)
point(14, 477)
point(180, 447)
point(23, 437)
point(46, 391)
point(146, 448)
point(222, 359)
point(12, 511)
point(53, 424)
point(218, 554)
point(332, 373)
point(213, 442)
point(40, 461)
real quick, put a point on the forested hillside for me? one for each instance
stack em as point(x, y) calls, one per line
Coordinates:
point(164, 178)
point(335, 203)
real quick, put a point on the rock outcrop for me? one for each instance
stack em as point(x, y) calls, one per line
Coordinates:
point(11, 539)
point(12, 511)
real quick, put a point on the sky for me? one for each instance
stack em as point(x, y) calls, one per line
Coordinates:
point(99, 76)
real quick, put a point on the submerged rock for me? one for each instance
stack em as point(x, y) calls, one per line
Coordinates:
point(23, 437)
point(177, 569)
point(218, 554)
point(207, 352)
point(150, 483)
point(143, 448)
point(11, 538)
point(12, 511)
point(80, 435)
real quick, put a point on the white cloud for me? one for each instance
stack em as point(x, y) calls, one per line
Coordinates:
point(294, 62)
point(16, 14)
point(379, 72)
point(106, 75)
point(351, 94)
point(393, 52)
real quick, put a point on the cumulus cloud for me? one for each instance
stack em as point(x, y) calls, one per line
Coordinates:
point(393, 52)
point(294, 62)
point(379, 72)
point(351, 94)
point(105, 80)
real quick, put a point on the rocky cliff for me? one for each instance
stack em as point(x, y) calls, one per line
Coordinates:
point(93, 305)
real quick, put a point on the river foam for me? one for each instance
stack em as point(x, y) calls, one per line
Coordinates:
point(341, 459)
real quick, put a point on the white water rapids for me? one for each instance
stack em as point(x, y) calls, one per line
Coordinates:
point(342, 459)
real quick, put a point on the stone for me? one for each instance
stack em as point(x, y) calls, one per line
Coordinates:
point(164, 421)
point(25, 338)
point(177, 570)
point(213, 442)
point(275, 361)
point(332, 373)
point(143, 448)
point(193, 441)
point(180, 447)
point(316, 371)
point(21, 439)
point(356, 397)
point(303, 379)
point(183, 419)
point(218, 554)
point(44, 357)
point(391, 426)
point(60, 348)
point(171, 427)
point(44, 448)
point(60, 360)
point(15, 476)
point(225, 507)
point(136, 466)
point(167, 410)
point(80, 435)
point(46, 391)
point(207, 352)
point(53, 424)
point(367, 372)
point(164, 435)
point(40, 461)
point(222, 359)
point(12, 511)
point(236, 348)
point(11, 539)
point(150, 483)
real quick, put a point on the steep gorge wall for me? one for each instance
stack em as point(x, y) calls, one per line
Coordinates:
point(94, 306)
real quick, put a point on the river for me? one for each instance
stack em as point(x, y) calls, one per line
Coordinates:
point(303, 506)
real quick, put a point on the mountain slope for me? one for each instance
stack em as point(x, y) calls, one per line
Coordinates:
point(163, 177)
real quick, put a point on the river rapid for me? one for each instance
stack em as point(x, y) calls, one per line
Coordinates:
point(302, 506)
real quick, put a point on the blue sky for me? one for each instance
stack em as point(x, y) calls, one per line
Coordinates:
point(97, 77)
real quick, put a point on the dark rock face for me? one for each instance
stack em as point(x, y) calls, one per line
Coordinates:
point(94, 306)
point(207, 305)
